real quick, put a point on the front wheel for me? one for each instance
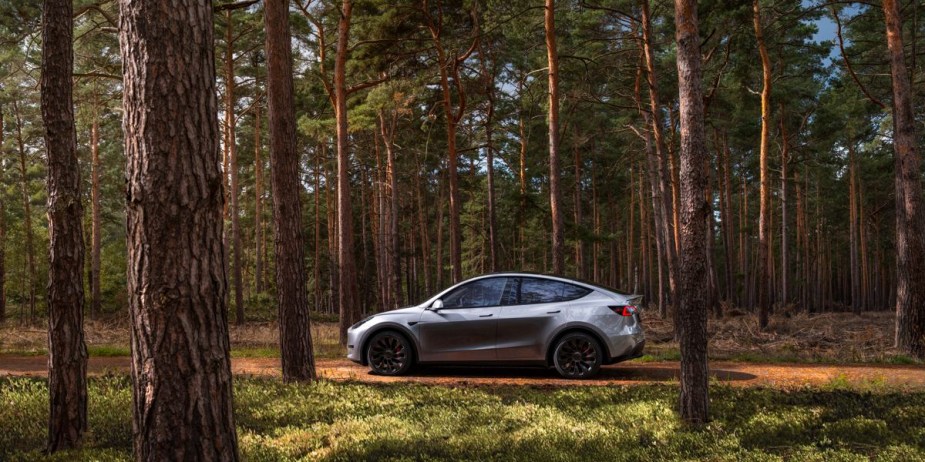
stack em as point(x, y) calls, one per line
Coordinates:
point(389, 353)
point(578, 356)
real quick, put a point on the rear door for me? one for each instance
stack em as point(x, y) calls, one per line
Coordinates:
point(465, 329)
point(525, 328)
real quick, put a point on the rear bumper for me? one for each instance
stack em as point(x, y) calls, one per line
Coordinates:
point(636, 352)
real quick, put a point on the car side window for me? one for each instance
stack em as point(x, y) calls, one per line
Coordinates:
point(534, 290)
point(477, 294)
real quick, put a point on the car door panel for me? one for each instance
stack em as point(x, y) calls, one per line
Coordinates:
point(523, 330)
point(459, 334)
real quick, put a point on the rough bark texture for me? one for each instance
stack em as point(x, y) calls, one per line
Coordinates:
point(694, 287)
point(555, 194)
point(67, 352)
point(764, 295)
point(176, 281)
point(349, 300)
point(910, 218)
point(291, 292)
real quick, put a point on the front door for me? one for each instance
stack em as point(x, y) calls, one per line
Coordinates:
point(465, 328)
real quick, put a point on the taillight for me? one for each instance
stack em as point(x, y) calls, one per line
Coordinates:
point(626, 310)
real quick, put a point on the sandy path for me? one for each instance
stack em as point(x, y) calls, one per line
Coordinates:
point(738, 374)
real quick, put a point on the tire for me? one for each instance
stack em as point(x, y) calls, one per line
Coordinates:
point(578, 356)
point(389, 353)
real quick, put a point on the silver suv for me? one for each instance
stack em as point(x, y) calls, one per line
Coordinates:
point(505, 319)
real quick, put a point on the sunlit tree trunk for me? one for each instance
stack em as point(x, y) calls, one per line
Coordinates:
point(180, 349)
point(910, 217)
point(292, 296)
point(558, 231)
point(694, 284)
point(764, 296)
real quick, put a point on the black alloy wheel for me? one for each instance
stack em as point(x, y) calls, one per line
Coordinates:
point(578, 356)
point(389, 353)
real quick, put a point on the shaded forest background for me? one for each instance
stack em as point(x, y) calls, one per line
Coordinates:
point(417, 71)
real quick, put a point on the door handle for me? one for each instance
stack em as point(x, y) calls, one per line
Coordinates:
point(486, 315)
point(553, 312)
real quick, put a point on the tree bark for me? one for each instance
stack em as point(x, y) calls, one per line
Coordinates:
point(348, 293)
point(854, 266)
point(764, 296)
point(292, 295)
point(910, 218)
point(176, 281)
point(694, 287)
point(784, 233)
point(558, 231)
point(67, 352)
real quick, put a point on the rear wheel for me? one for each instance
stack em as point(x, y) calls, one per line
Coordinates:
point(578, 356)
point(389, 353)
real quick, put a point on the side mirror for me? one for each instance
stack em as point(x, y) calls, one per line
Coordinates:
point(436, 305)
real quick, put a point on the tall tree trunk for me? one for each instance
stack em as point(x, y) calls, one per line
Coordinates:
point(392, 241)
point(176, 281)
point(579, 244)
point(489, 78)
point(298, 362)
point(694, 288)
point(349, 291)
point(854, 266)
point(910, 218)
point(665, 209)
point(764, 296)
point(784, 233)
point(231, 145)
point(2, 229)
point(27, 211)
point(258, 203)
point(447, 65)
point(558, 231)
point(67, 352)
point(95, 212)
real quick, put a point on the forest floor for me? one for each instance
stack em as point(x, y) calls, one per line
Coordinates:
point(802, 350)
point(778, 375)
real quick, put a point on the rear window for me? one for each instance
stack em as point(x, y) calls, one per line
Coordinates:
point(535, 290)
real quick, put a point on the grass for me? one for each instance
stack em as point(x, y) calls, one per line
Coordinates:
point(351, 422)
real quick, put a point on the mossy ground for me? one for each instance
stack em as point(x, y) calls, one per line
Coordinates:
point(350, 422)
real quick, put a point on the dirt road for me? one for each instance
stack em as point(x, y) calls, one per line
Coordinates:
point(736, 374)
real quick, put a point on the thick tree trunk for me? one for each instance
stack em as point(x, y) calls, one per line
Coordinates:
point(910, 216)
point(555, 195)
point(67, 352)
point(349, 300)
point(176, 281)
point(764, 287)
point(27, 211)
point(694, 288)
point(292, 295)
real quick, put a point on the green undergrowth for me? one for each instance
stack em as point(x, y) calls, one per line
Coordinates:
point(355, 422)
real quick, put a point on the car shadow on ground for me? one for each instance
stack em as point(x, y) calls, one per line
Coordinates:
point(617, 373)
